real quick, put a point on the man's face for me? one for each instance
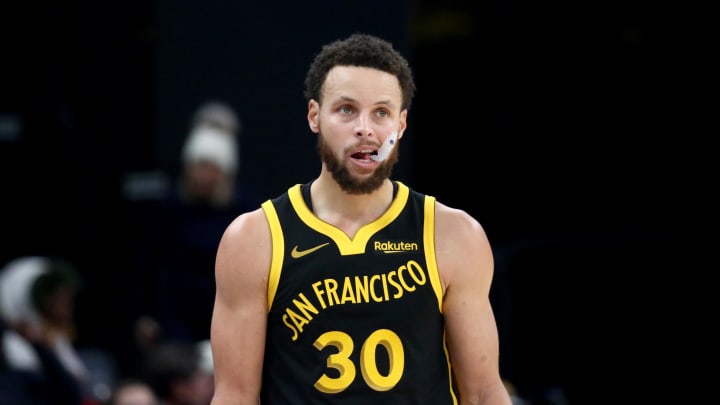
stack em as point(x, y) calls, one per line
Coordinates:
point(359, 111)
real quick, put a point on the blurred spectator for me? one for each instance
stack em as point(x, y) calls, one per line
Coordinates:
point(133, 391)
point(210, 158)
point(172, 288)
point(177, 373)
point(53, 296)
point(38, 364)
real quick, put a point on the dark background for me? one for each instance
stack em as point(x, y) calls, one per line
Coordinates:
point(577, 133)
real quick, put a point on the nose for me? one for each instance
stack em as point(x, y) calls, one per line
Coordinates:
point(363, 127)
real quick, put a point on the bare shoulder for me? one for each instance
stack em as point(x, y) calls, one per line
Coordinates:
point(244, 251)
point(252, 221)
point(461, 244)
point(457, 225)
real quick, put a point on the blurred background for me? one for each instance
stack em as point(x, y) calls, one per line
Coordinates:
point(571, 130)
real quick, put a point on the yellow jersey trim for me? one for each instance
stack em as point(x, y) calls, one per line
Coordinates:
point(345, 244)
point(429, 242)
point(278, 248)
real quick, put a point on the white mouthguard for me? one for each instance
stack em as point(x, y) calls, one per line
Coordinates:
point(385, 148)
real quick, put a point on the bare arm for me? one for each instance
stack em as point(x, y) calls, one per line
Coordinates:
point(240, 313)
point(466, 267)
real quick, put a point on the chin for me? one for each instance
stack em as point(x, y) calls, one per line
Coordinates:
point(352, 184)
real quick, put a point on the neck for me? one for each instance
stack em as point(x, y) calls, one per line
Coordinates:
point(347, 211)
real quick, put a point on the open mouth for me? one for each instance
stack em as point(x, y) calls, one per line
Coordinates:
point(364, 155)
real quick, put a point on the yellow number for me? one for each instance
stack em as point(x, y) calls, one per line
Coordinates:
point(341, 362)
point(391, 342)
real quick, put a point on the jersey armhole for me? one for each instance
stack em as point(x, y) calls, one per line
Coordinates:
point(429, 243)
point(278, 247)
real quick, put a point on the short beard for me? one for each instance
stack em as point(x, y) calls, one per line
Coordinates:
point(343, 177)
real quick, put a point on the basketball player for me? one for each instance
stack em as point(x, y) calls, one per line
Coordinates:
point(353, 288)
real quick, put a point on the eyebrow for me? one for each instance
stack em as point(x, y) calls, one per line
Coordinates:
point(388, 103)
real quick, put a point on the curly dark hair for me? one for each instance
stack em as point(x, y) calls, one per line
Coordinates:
point(362, 50)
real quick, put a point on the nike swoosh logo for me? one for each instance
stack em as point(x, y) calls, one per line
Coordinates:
point(296, 254)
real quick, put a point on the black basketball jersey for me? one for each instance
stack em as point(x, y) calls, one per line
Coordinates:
point(355, 320)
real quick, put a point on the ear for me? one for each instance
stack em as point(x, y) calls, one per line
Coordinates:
point(403, 123)
point(313, 116)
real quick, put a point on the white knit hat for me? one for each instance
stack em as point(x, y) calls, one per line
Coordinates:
point(16, 282)
point(219, 115)
point(207, 143)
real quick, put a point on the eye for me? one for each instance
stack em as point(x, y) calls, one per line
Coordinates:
point(345, 109)
point(382, 113)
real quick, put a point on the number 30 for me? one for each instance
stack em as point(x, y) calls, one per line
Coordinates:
point(368, 367)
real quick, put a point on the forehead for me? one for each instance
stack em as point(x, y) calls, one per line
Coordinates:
point(361, 84)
